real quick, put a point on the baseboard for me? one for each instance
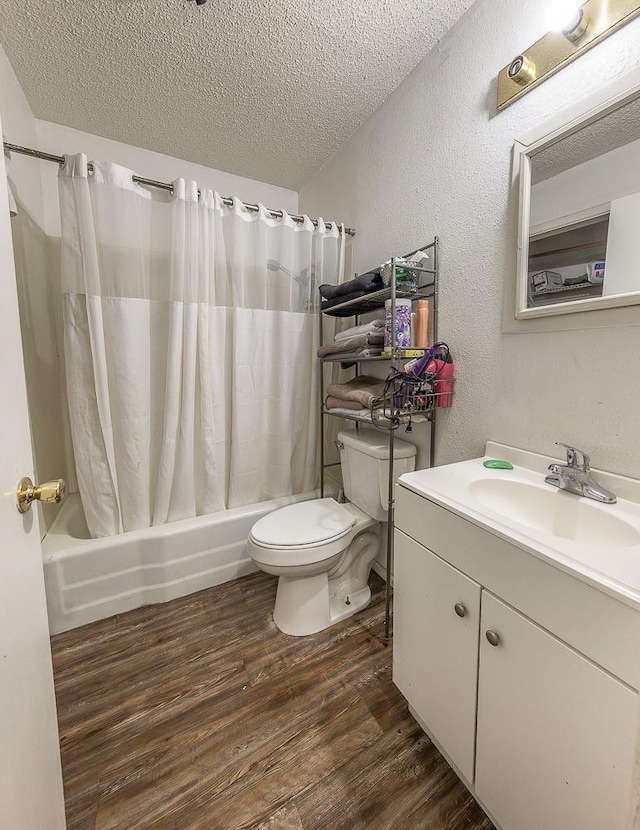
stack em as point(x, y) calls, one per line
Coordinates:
point(381, 570)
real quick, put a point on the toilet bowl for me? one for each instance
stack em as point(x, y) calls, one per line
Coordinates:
point(321, 550)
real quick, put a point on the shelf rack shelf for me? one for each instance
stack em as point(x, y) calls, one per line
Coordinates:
point(402, 354)
point(377, 299)
point(388, 415)
point(415, 417)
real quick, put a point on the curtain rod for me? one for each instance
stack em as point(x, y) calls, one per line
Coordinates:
point(226, 200)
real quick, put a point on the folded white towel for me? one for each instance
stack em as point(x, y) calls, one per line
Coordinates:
point(367, 328)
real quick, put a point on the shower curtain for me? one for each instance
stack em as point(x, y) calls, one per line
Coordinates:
point(189, 336)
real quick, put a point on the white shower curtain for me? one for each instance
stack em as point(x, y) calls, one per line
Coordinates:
point(189, 346)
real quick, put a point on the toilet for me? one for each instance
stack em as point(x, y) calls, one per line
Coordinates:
point(321, 550)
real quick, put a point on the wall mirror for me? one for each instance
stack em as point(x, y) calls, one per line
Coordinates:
point(579, 224)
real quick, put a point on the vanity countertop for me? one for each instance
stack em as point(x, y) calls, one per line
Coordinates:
point(597, 543)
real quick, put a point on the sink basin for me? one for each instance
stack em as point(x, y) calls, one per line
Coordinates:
point(597, 543)
point(553, 511)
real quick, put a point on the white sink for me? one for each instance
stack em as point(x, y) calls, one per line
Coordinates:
point(550, 510)
point(599, 543)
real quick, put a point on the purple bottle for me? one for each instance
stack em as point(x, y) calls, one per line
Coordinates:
point(403, 325)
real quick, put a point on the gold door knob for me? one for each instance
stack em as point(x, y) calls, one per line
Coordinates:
point(51, 492)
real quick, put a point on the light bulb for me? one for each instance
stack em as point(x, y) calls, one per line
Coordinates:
point(563, 14)
point(522, 70)
point(571, 20)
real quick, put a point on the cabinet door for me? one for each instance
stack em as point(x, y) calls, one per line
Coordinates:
point(435, 651)
point(556, 733)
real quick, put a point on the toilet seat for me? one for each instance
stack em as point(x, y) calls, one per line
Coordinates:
point(303, 524)
point(302, 534)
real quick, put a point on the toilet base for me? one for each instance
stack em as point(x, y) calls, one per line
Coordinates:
point(343, 607)
point(303, 605)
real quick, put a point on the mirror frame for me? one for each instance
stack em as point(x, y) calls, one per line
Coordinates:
point(588, 111)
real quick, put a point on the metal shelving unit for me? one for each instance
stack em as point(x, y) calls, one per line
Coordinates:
point(392, 412)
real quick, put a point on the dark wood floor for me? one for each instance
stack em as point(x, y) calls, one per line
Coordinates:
point(201, 714)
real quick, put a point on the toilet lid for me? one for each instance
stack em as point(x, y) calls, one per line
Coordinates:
point(305, 523)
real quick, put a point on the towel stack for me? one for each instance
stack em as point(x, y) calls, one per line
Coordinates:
point(334, 295)
point(360, 341)
point(358, 395)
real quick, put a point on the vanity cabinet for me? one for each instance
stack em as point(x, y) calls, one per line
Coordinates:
point(555, 746)
point(510, 692)
point(436, 625)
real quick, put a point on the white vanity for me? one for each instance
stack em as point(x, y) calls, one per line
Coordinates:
point(517, 637)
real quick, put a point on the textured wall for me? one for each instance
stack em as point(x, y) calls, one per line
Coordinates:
point(436, 158)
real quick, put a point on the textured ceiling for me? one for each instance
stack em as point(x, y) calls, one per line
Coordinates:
point(268, 89)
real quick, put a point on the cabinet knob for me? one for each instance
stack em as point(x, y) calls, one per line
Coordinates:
point(494, 638)
point(460, 609)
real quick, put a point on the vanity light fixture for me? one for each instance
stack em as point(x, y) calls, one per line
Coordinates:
point(574, 28)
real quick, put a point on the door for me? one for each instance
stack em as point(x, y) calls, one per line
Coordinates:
point(30, 772)
point(436, 611)
point(556, 733)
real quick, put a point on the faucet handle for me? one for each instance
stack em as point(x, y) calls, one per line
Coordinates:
point(576, 458)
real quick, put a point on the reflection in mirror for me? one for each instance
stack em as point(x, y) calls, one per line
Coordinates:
point(568, 263)
point(584, 234)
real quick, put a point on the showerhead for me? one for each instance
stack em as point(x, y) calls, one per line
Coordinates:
point(275, 266)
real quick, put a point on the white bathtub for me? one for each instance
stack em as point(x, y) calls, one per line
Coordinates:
point(91, 579)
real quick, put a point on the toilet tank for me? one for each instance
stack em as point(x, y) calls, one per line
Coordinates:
point(364, 458)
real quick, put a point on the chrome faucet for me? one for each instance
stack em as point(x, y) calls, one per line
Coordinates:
point(575, 477)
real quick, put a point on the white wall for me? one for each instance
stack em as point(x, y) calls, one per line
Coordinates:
point(436, 159)
point(623, 246)
point(19, 127)
point(60, 140)
point(36, 290)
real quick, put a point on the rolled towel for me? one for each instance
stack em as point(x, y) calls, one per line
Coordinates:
point(367, 328)
point(336, 403)
point(364, 389)
point(354, 295)
point(363, 282)
point(352, 344)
